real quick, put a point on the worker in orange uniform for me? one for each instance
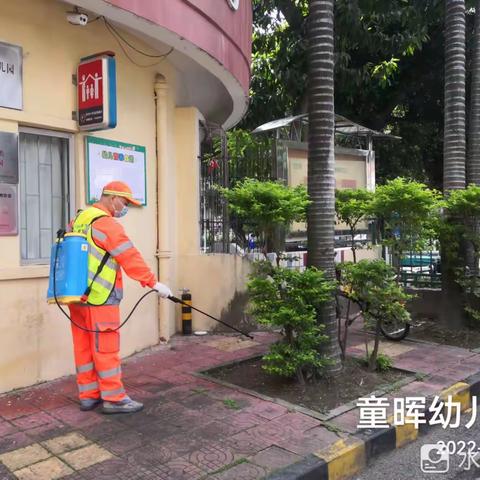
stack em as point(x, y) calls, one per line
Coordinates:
point(97, 357)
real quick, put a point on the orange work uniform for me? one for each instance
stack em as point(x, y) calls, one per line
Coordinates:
point(97, 355)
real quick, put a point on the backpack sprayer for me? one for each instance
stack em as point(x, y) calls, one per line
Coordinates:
point(68, 281)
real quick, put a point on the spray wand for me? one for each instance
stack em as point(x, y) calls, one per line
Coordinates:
point(177, 300)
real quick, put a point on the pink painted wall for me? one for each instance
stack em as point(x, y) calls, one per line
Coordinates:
point(210, 24)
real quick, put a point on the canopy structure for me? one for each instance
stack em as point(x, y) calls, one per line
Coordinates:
point(294, 128)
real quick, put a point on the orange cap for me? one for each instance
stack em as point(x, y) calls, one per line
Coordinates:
point(120, 189)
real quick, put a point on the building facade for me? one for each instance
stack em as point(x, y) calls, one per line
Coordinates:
point(179, 63)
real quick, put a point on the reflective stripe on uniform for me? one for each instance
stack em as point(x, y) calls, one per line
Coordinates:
point(121, 248)
point(85, 368)
point(110, 263)
point(101, 281)
point(110, 373)
point(87, 387)
point(97, 234)
point(109, 393)
point(115, 297)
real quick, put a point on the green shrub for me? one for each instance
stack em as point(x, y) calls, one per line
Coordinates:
point(289, 299)
point(384, 362)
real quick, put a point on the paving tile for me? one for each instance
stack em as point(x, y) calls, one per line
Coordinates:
point(48, 400)
point(232, 344)
point(273, 458)
point(161, 431)
point(308, 442)
point(198, 402)
point(48, 431)
point(110, 470)
point(86, 456)
point(242, 421)
point(71, 415)
point(24, 456)
point(164, 409)
point(297, 421)
point(211, 457)
point(215, 430)
point(124, 442)
point(103, 431)
point(243, 471)
point(245, 444)
point(348, 421)
point(150, 455)
point(14, 441)
point(267, 410)
point(5, 473)
point(6, 428)
point(183, 445)
point(178, 392)
point(13, 406)
point(392, 349)
point(65, 443)
point(50, 469)
point(65, 386)
point(32, 421)
point(272, 432)
point(182, 469)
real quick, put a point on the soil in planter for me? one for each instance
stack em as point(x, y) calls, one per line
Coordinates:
point(355, 381)
point(431, 330)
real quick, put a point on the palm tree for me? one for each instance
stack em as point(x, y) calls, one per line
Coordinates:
point(454, 135)
point(473, 154)
point(473, 150)
point(454, 140)
point(321, 160)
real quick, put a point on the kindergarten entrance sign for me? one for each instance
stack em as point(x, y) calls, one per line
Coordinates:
point(109, 160)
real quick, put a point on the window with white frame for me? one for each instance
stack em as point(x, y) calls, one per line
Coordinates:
point(45, 191)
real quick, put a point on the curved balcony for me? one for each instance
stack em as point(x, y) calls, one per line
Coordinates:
point(212, 43)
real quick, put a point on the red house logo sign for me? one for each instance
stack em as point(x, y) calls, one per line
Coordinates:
point(96, 92)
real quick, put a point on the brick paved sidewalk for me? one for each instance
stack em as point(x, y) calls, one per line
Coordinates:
point(186, 430)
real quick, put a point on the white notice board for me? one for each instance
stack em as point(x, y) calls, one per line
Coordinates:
point(109, 160)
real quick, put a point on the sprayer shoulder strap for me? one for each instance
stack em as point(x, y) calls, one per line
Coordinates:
point(104, 260)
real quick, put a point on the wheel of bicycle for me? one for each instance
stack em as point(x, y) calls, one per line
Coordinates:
point(394, 329)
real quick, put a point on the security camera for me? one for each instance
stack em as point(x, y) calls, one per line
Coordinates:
point(77, 18)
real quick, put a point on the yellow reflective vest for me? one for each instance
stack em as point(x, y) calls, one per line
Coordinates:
point(104, 282)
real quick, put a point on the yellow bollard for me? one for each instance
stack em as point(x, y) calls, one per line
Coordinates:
point(186, 312)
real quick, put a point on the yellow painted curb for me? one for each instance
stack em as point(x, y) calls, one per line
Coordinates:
point(460, 392)
point(345, 458)
point(405, 434)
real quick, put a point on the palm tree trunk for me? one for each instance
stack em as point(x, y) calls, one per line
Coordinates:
point(454, 135)
point(473, 151)
point(321, 161)
point(473, 154)
point(454, 141)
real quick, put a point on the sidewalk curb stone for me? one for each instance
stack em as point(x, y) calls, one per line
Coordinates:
point(328, 463)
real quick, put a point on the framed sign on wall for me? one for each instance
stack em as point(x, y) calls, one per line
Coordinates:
point(109, 160)
point(11, 81)
point(8, 157)
point(8, 210)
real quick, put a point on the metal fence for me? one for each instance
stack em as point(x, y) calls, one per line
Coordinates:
point(419, 269)
point(219, 231)
point(214, 226)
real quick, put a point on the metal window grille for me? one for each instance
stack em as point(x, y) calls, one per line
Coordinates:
point(214, 226)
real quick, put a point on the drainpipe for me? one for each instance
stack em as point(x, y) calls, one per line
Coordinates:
point(164, 178)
